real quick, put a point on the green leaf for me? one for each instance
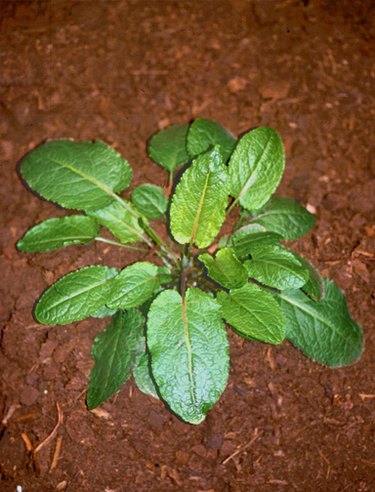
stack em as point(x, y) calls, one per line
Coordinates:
point(143, 378)
point(199, 202)
point(134, 285)
point(75, 296)
point(276, 267)
point(115, 350)
point(168, 147)
point(58, 232)
point(253, 313)
point(189, 352)
point(225, 268)
point(286, 217)
point(150, 200)
point(314, 287)
point(250, 237)
point(121, 221)
point(323, 330)
point(204, 134)
point(256, 167)
point(78, 175)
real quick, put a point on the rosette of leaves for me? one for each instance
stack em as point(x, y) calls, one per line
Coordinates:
point(170, 316)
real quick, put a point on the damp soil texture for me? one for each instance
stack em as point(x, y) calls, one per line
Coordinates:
point(118, 70)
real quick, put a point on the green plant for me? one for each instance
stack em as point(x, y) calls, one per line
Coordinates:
point(263, 290)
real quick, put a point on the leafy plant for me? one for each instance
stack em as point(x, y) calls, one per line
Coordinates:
point(259, 287)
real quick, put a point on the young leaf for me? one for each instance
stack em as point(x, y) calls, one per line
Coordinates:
point(225, 268)
point(121, 221)
point(323, 330)
point(134, 285)
point(78, 175)
point(252, 236)
point(276, 267)
point(256, 167)
point(115, 350)
point(58, 232)
point(204, 134)
point(189, 352)
point(75, 296)
point(314, 287)
point(150, 200)
point(286, 217)
point(142, 376)
point(168, 147)
point(199, 202)
point(253, 313)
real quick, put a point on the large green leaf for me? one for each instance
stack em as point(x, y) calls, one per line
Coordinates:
point(122, 220)
point(75, 296)
point(199, 203)
point(143, 378)
point(225, 268)
point(168, 147)
point(58, 232)
point(150, 200)
point(286, 217)
point(253, 313)
point(276, 267)
point(204, 134)
point(189, 352)
point(134, 285)
point(323, 330)
point(115, 351)
point(252, 236)
point(256, 167)
point(78, 175)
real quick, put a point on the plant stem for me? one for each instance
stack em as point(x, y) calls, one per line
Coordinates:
point(184, 268)
point(115, 243)
point(158, 240)
point(164, 260)
point(230, 208)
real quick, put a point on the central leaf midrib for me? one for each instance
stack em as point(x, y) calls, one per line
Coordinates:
point(78, 293)
point(57, 239)
point(313, 315)
point(88, 178)
point(189, 350)
point(199, 210)
point(276, 212)
point(280, 265)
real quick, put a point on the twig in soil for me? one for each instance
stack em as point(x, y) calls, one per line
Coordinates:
point(270, 359)
point(56, 454)
point(10, 412)
point(244, 447)
point(366, 396)
point(27, 442)
point(49, 438)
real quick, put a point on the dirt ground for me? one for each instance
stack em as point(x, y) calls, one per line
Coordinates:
point(118, 70)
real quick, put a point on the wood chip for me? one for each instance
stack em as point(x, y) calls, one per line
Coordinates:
point(366, 396)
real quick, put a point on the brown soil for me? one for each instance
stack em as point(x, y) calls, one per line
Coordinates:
point(117, 70)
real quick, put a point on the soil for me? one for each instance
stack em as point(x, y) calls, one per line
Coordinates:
point(118, 70)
